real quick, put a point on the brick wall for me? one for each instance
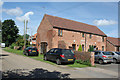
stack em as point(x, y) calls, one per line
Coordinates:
point(44, 34)
point(70, 37)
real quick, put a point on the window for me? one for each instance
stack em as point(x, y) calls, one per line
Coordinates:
point(107, 53)
point(51, 51)
point(102, 48)
point(56, 51)
point(74, 46)
point(102, 39)
point(60, 32)
point(90, 36)
point(82, 47)
point(82, 34)
point(97, 53)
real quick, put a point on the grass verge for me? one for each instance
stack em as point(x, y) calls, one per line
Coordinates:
point(40, 58)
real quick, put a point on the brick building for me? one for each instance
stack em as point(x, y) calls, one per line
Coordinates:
point(56, 32)
point(33, 39)
point(113, 44)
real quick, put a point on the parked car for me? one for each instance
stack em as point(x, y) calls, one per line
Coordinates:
point(116, 56)
point(103, 57)
point(60, 56)
point(31, 51)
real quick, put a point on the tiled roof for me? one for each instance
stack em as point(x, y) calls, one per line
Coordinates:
point(33, 42)
point(73, 25)
point(114, 41)
point(35, 35)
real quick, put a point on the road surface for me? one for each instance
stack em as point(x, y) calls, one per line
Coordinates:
point(112, 67)
point(17, 66)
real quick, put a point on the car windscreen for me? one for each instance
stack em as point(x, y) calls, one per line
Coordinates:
point(107, 53)
point(66, 52)
point(118, 53)
point(34, 49)
point(31, 48)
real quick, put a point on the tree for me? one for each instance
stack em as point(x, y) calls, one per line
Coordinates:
point(0, 32)
point(91, 48)
point(27, 36)
point(9, 32)
point(20, 42)
point(80, 48)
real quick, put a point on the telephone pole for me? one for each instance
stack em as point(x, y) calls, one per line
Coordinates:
point(25, 32)
point(24, 36)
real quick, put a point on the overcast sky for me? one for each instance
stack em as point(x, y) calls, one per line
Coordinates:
point(104, 15)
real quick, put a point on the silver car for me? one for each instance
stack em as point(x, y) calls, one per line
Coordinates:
point(116, 56)
point(103, 57)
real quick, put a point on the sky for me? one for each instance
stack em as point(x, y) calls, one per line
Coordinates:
point(104, 15)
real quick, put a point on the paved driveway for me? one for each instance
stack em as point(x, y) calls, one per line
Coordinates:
point(112, 67)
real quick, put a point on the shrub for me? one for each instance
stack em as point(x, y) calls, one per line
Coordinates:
point(80, 48)
point(91, 48)
point(12, 45)
point(87, 62)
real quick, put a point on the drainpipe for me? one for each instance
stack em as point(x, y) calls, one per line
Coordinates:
point(85, 42)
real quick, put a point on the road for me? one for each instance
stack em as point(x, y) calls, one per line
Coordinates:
point(112, 67)
point(17, 66)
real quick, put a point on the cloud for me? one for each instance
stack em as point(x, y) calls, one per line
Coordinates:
point(104, 22)
point(16, 11)
point(25, 17)
point(1, 3)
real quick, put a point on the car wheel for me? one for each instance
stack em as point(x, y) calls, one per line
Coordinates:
point(72, 62)
point(58, 61)
point(45, 58)
point(114, 61)
point(100, 61)
point(27, 54)
point(37, 54)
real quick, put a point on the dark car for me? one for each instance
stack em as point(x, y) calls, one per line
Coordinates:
point(60, 56)
point(29, 51)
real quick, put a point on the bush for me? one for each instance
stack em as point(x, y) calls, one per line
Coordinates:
point(91, 48)
point(12, 45)
point(87, 62)
point(80, 48)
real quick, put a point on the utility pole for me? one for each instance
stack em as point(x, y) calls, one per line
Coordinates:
point(31, 36)
point(26, 28)
point(24, 36)
point(25, 32)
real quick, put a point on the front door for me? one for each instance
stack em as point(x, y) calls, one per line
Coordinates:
point(43, 47)
point(74, 47)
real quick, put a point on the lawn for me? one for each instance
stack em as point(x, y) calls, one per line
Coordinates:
point(40, 58)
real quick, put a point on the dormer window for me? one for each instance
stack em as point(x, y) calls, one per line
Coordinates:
point(60, 33)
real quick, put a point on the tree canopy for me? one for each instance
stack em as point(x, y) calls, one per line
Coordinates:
point(9, 32)
point(0, 32)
